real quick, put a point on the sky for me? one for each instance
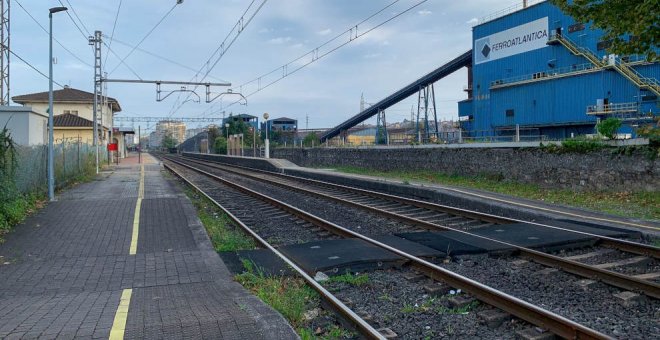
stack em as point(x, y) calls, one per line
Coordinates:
point(322, 94)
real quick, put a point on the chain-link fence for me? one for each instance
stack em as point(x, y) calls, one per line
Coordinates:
point(72, 161)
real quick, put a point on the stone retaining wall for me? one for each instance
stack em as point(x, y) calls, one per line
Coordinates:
point(600, 170)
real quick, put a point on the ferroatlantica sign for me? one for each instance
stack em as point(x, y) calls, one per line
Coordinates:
point(527, 37)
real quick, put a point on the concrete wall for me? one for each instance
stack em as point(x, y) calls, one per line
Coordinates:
point(27, 127)
point(600, 170)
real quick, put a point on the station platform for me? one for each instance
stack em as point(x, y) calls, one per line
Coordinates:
point(124, 256)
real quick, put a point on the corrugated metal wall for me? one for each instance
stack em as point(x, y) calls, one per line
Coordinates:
point(550, 103)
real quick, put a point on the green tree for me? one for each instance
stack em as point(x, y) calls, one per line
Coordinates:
point(240, 127)
point(220, 145)
point(168, 141)
point(632, 25)
point(609, 127)
point(311, 139)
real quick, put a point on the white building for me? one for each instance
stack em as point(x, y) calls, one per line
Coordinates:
point(26, 126)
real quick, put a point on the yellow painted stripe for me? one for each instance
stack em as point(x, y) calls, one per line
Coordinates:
point(136, 216)
point(119, 325)
point(136, 227)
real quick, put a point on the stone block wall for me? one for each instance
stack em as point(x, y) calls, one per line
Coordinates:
point(599, 170)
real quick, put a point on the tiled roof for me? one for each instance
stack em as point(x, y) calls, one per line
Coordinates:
point(69, 120)
point(65, 95)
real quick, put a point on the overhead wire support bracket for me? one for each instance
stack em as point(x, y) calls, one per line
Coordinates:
point(171, 82)
point(228, 92)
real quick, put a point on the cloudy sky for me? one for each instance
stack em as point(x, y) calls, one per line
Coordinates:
point(327, 90)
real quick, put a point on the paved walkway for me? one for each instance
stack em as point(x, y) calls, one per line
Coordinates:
point(124, 256)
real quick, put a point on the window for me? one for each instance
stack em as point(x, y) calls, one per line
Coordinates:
point(73, 112)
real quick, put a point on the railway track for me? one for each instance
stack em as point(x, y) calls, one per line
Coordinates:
point(434, 217)
point(519, 308)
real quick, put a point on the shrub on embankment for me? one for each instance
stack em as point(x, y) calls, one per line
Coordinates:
point(23, 175)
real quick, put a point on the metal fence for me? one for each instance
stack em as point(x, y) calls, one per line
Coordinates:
point(72, 160)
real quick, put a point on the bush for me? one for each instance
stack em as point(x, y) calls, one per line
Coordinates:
point(220, 145)
point(609, 127)
point(652, 132)
point(579, 144)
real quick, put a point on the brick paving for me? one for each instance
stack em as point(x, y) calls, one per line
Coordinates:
point(64, 269)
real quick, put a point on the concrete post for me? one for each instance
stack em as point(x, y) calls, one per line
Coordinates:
point(267, 151)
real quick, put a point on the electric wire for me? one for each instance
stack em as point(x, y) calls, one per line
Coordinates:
point(85, 36)
point(32, 66)
point(122, 62)
point(55, 39)
point(240, 26)
point(114, 26)
point(354, 35)
point(155, 55)
point(145, 37)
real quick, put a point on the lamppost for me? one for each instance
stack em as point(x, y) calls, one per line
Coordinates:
point(227, 129)
point(51, 156)
point(266, 142)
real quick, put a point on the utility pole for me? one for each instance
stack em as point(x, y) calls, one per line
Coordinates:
point(307, 122)
point(96, 42)
point(4, 52)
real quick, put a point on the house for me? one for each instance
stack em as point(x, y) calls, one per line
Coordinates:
point(75, 103)
point(73, 114)
point(70, 128)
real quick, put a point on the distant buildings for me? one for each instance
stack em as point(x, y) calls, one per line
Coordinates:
point(249, 120)
point(175, 128)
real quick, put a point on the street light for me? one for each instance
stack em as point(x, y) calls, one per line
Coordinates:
point(51, 156)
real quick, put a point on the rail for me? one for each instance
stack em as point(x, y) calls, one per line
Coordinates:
point(613, 278)
point(609, 109)
point(548, 74)
point(364, 327)
point(524, 310)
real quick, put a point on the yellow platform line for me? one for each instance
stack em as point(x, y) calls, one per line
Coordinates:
point(136, 217)
point(119, 324)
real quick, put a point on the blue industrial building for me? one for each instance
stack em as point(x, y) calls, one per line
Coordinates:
point(539, 69)
point(249, 120)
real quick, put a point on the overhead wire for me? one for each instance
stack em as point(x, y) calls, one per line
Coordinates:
point(239, 27)
point(145, 37)
point(155, 55)
point(55, 39)
point(315, 56)
point(32, 66)
point(85, 35)
point(122, 62)
point(114, 26)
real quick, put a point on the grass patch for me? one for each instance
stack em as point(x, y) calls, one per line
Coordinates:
point(218, 225)
point(438, 305)
point(348, 278)
point(289, 296)
point(14, 210)
point(645, 205)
